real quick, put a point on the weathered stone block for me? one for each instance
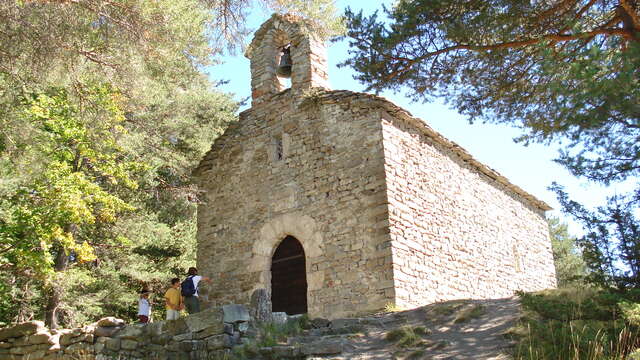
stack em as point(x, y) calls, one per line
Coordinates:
point(205, 333)
point(323, 347)
point(79, 347)
point(74, 337)
point(127, 344)
point(40, 338)
point(161, 339)
point(173, 346)
point(186, 345)
point(342, 323)
point(23, 329)
point(282, 351)
point(207, 318)
point(182, 337)
point(279, 317)
point(154, 328)
point(131, 332)
point(106, 331)
point(110, 322)
point(10, 357)
point(219, 342)
point(260, 306)
point(175, 327)
point(235, 313)
point(112, 344)
point(228, 329)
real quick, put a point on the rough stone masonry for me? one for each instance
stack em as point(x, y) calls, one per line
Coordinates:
point(387, 210)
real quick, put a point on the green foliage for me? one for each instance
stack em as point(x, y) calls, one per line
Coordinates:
point(576, 324)
point(103, 117)
point(325, 23)
point(611, 245)
point(407, 336)
point(505, 61)
point(630, 312)
point(270, 334)
point(80, 160)
point(570, 268)
point(448, 308)
point(104, 185)
point(470, 312)
point(392, 307)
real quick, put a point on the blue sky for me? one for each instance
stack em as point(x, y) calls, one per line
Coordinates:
point(530, 167)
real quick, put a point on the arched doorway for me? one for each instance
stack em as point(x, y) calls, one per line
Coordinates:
point(289, 278)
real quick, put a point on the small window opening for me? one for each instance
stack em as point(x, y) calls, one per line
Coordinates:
point(517, 259)
point(279, 151)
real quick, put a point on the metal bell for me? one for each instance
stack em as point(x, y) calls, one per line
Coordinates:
point(284, 69)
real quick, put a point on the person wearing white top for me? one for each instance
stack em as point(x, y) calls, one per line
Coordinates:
point(192, 303)
point(144, 307)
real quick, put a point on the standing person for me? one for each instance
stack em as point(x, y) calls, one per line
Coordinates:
point(144, 307)
point(190, 290)
point(173, 300)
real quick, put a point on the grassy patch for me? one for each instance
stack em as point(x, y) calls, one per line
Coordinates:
point(448, 308)
point(269, 334)
point(577, 324)
point(470, 312)
point(421, 330)
point(407, 336)
point(391, 307)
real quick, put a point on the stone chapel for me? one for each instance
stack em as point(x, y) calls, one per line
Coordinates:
point(339, 203)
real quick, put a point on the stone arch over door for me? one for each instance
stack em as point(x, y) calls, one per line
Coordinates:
point(306, 231)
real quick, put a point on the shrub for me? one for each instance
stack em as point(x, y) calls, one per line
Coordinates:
point(577, 324)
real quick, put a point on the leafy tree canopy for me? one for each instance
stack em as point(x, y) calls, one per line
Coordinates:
point(104, 111)
point(570, 268)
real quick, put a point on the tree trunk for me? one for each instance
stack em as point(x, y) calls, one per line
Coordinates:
point(55, 292)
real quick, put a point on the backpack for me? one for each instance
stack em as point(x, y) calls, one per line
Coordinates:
point(187, 287)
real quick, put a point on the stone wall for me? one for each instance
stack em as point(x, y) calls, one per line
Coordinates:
point(327, 190)
point(230, 332)
point(458, 230)
point(206, 335)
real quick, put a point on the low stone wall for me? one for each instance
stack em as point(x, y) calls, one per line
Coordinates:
point(207, 335)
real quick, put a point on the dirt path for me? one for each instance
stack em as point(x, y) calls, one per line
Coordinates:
point(455, 330)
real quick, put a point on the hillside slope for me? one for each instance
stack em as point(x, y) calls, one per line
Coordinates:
point(462, 329)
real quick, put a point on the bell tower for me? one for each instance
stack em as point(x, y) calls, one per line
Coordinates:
point(307, 53)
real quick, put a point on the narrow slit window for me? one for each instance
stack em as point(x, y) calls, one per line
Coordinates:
point(279, 149)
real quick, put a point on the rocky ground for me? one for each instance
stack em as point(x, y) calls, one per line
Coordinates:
point(454, 330)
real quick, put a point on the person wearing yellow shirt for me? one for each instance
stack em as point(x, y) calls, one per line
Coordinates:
point(174, 300)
